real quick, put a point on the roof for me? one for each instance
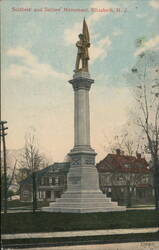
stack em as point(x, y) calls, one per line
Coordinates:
point(123, 163)
point(57, 167)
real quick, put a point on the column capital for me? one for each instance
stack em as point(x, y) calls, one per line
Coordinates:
point(81, 80)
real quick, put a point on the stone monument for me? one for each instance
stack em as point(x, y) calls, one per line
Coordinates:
point(83, 194)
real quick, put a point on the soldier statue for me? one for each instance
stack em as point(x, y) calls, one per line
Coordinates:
point(82, 54)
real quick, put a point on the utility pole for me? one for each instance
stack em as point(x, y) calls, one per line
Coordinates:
point(3, 134)
point(34, 192)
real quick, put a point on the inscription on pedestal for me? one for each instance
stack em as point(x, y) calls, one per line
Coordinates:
point(74, 180)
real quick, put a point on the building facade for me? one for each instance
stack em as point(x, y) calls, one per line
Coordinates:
point(126, 179)
point(51, 182)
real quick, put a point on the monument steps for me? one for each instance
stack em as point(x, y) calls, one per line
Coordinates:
point(84, 195)
point(83, 200)
point(84, 210)
point(84, 205)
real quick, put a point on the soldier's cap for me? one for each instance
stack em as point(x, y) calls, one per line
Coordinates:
point(80, 35)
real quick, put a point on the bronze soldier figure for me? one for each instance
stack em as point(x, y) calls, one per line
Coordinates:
point(82, 54)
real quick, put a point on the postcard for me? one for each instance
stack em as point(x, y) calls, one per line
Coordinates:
point(80, 110)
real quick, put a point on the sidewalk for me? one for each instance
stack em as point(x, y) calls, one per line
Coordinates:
point(80, 233)
point(115, 246)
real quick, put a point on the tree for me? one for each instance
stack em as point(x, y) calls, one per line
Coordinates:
point(22, 173)
point(126, 142)
point(146, 76)
point(129, 140)
point(31, 161)
point(130, 180)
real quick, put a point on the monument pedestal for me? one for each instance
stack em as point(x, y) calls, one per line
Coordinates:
point(83, 194)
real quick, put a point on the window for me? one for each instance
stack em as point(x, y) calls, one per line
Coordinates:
point(56, 180)
point(109, 192)
point(57, 194)
point(53, 180)
point(122, 190)
point(153, 192)
point(48, 194)
point(119, 178)
point(141, 193)
point(145, 179)
point(40, 194)
point(43, 194)
point(42, 181)
point(50, 180)
point(25, 193)
point(127, 166)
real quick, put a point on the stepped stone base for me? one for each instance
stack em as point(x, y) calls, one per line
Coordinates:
point(85, 202)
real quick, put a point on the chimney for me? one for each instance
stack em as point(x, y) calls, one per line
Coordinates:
point(138, 155)
point(118, 151)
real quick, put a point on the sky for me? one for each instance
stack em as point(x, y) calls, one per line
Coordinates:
point(38, 59)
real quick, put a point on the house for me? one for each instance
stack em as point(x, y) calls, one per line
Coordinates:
point(126, 179)
point(51, 182)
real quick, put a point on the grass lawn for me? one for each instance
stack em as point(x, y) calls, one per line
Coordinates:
point(51, 222)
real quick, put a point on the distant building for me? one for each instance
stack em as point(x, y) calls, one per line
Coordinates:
point(126, 179)
point(51, 183)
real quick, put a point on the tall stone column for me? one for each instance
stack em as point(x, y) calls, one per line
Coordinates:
point(81, 86)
